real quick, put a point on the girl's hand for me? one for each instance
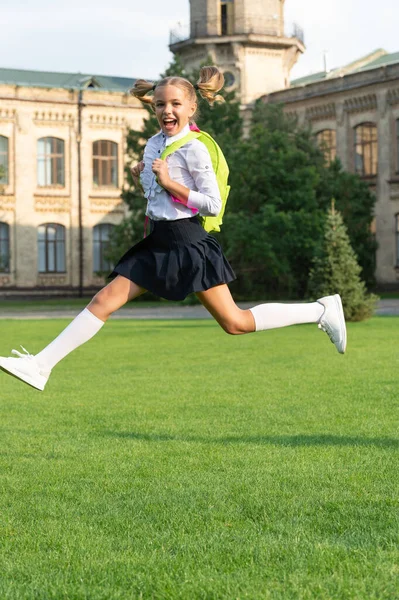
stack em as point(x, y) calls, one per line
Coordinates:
point(135, 171)
point(160, 168)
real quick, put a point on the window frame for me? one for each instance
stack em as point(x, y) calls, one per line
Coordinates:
point(397, 239)
point(226, 17)
point(5, 241)
point(104, 165)
point(101, 244)
point(58, 246)
point(372, 145)
point(397, 146)
point(6, 179)
point(328, 147)
point(50, 160)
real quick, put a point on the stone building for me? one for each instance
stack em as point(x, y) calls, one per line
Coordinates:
point(63, 138)
point(246, 39)
point(354, 113)
point(62, 156)
point(353, 110)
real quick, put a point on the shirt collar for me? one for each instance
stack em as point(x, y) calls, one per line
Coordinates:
point(178, 136)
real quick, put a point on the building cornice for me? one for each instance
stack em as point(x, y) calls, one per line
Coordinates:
point(337, 85)
point(69, 103)
point(250, 39)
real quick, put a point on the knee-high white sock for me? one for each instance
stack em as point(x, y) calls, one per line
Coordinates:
point(271, 316)
point(81, 330)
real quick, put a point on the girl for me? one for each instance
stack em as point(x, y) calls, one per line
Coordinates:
point(178, 257)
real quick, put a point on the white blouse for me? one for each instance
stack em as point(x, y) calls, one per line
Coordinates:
point(190, 166)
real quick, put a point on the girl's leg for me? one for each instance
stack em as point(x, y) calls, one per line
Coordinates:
point(89, 321)
point(219, 302)
point(35, 370)
point(327, 312)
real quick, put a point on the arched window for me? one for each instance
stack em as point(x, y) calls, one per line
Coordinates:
point(227, 17)
point(3, 160)
point(366, 149)
point(105, 163)
point(101, 234)
point(51, 243)
point(327, 142)
point(4, 248)
point(50, 162)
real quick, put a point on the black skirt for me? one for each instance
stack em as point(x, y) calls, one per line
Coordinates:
point(175, 259)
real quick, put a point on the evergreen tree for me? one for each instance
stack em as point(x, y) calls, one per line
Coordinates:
point(336, 270)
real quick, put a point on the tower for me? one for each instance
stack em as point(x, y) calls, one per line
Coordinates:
point(246, 39)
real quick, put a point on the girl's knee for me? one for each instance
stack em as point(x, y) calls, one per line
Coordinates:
point(233, 327)
point(241, 322)
point(100, 304)
point(100, 298)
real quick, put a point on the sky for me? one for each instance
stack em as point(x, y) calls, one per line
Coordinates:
point(130, 37)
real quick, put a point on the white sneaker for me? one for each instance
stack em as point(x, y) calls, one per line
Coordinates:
point(25, 368)
point(332, 321)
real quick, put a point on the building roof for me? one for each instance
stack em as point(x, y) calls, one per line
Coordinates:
point(48, 79)
point(374, 60)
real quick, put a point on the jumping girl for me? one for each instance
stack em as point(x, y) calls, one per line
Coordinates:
point(178, 257)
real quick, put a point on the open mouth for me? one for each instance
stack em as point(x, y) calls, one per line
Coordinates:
point(169, 124)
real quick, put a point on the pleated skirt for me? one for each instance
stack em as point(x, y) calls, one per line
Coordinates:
point(176, 259)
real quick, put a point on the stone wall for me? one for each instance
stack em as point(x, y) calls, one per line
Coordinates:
point(28, 114)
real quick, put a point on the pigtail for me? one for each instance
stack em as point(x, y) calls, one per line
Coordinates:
point(141, 88)
point(211, 80)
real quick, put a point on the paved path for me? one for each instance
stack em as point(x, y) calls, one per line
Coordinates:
point(385, 307)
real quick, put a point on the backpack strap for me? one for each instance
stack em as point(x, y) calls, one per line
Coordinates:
point(179, 143)
point(192, 135)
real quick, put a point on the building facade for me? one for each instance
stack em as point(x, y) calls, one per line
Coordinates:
point(62, 157)
point(63, 141)
point(353, 110)
point(246, 39)
point(354, 113)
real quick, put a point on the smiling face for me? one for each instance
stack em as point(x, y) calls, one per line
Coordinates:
point(173, 108)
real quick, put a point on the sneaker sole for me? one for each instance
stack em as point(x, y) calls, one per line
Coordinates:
point(23, 377)
point(340, 308)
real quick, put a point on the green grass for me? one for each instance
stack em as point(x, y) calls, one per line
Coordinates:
point(167, 460)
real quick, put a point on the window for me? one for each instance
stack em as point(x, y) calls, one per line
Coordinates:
point(105, 163)
point(366, 149)
point(3, 160)
point(4, 248)
point(397, 238)
point(397, 146)
point(50, 162)
point(227, 17)
point(101, 234)
point(327, 141)
point(51, 242)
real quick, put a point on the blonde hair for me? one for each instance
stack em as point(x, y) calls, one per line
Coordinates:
point(210, 81)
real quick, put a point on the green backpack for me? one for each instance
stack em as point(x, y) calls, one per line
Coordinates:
point(220, 167)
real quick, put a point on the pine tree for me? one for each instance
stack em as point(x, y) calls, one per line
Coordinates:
point(336, 270)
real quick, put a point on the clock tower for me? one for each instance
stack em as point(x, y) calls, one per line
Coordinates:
point(245, 39)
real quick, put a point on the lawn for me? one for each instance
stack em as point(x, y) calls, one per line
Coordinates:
point(167, 460)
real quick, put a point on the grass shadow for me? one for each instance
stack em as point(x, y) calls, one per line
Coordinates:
point(300, 440)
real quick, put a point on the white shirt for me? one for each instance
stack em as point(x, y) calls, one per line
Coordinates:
point(190, 166)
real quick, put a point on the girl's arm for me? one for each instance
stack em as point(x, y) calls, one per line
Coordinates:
point(160, 168)
point(207, 201)
point(135, 171)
